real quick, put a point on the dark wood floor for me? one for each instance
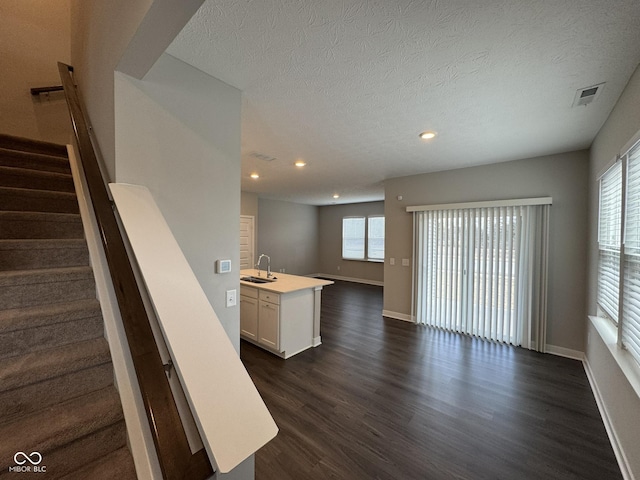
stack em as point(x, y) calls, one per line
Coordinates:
point(386, 399)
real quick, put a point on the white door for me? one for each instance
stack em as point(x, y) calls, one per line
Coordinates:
point(247, 242)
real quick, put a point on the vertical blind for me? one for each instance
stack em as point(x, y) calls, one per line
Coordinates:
point(482, 272)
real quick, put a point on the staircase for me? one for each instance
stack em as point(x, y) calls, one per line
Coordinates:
point(57, 395)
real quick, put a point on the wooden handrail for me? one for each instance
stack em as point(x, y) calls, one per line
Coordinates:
point(38, 90)
point(174, 454)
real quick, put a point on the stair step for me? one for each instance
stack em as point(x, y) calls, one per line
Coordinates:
point(76, 456)
point(36, 179)
point(36, 339)
point(31, 200)
point(23, 318)
point(59, 426)
point(34, 161)
point(40, 225)
point(35, 146)
point(16, 254)
point(28, 288)
point(117, 465)
point(29, 398)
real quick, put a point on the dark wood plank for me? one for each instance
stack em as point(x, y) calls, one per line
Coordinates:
point(386, 399)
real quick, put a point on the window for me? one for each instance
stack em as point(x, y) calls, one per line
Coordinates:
point(363, 238)
point(619, 254)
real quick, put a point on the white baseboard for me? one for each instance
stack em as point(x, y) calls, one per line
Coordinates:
point(377, 283)
point(623, 463)
point(564, 352)
point(397, 316)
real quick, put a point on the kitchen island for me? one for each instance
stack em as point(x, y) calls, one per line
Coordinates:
point(281, 316)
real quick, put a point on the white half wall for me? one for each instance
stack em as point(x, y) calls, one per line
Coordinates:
point(178, 134)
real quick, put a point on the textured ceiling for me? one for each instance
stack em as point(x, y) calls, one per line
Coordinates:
point(348, 85)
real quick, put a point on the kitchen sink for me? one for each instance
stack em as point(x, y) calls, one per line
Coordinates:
point(253, 279)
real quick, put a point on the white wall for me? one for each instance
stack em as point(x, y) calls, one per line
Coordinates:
point(34, 36)
point(178, 133)
point(619, 400)
point(563, 177)
point(288, 233)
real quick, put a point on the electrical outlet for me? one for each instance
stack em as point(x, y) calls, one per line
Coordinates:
point(231, 298)
point(338, 267)
point(392, 261)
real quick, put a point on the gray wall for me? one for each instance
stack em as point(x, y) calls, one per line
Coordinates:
point(330, 259)
point(563, 177)
point(249, 205)
point(620, 401)
point(34, 36)
point(288, 233)
point(178, 131)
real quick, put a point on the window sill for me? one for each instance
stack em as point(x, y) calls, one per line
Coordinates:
point(369, 260)
point(609, 334)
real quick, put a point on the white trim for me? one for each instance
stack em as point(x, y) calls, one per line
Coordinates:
point(316, 342)
point(398, 316)
point(516, 202)
point(623, 463)
point(138, 431)
point(564, 352)
point(609, 334)
point(377, 283)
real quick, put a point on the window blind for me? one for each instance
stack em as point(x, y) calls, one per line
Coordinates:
point(609, 240)
point(475, 272)
point(631, 289)
point(353, 238)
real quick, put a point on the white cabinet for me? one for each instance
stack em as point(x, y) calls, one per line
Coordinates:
point(269, 325)
point(249, 312)
point(282, 323)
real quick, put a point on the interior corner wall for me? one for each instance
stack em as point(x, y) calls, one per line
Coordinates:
point(100, 34)
point(178, 134)
point(288, 233)
point(249, 204)
point(34, 36)
point(331, 261)
point(563, 177)
point(618, 398)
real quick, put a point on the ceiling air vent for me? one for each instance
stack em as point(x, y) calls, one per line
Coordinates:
point(262, 156)
point(584, 96)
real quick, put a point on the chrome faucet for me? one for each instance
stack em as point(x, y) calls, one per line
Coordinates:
point(268, 265)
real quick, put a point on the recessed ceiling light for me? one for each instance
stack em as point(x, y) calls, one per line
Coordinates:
point(427, 135)
point(255, 176)
point(300, 163)
point(335, 195)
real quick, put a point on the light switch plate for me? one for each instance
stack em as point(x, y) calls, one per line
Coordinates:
point(405, 262)
point(231, 298)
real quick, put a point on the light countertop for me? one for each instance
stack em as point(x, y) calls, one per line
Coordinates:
point(284, 283)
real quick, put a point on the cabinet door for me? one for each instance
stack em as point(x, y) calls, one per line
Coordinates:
point(249, 317)
point(269, 325)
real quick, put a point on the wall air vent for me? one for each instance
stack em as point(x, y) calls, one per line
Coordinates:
point(584, 96)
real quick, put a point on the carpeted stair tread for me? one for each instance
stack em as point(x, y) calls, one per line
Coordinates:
point(54, 427)
point(27, 288)
point(36, 179)
point(117, 465)
point(12, 142)
point(32, 200)
point(22, 342)
point(37, 316)
point(26, 399)
point(34, 161)
point(73, 457)
point(40, 225)
point(24, 254)
point(36, 366)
